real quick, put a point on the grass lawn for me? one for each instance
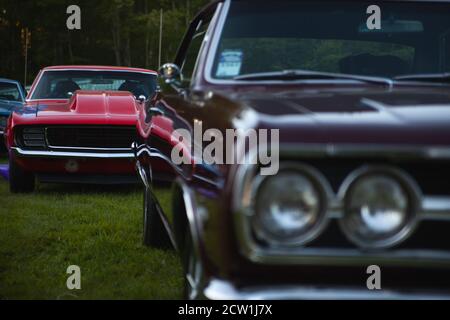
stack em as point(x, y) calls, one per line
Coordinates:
point(95, 228)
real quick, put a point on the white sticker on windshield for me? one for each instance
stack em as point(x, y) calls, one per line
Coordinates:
point(230, 63)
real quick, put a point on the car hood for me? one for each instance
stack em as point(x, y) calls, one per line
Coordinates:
point(92, 104)
point(378, 116)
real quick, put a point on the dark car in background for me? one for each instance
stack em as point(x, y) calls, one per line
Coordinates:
point(12, 94)
point(364, 148)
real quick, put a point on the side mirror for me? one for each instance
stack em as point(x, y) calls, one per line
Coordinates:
point(171, 73)
point(141, 98)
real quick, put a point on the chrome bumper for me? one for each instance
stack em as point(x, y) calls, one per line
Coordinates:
point(70, 154)
point(223, 290)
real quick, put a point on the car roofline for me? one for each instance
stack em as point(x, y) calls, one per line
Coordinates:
point(83, 68)
point(4, 80)
point(98, 68)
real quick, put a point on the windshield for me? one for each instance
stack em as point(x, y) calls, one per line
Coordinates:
point(386, 40)
point(62, 84)
point(10, 92)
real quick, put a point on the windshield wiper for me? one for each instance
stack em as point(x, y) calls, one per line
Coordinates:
point(428, 77)
point(293, 75)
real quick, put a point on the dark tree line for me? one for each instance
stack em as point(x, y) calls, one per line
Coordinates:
point(113, 32)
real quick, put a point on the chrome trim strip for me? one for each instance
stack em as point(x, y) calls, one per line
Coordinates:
point(369, 150)
point(102, 70)
point(87, 148)
point(142, 175)
point(138, 150)
point(218, 289)
point(436, 208)
point(207, 70)
point(55, 154)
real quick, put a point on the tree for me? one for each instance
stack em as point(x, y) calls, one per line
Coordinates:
point(113, 32)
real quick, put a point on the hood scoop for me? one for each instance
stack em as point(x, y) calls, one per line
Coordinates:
point(93, 103)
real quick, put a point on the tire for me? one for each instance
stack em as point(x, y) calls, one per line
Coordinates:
point(155, 234)
point(20, 181)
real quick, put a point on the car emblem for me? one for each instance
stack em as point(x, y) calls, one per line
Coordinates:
point(72, 166)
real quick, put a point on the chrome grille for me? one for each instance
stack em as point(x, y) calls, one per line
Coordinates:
point(87, 137)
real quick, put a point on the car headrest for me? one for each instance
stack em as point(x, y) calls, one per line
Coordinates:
point(136, 88)
point(62, 88)
point(128, 86)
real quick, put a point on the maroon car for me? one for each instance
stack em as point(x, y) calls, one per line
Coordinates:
point(360, 95)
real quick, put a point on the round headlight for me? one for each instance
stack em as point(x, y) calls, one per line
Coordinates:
point(380, 211)
point(289, 209)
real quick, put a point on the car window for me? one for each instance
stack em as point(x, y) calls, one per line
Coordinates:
point(188, 58)
point(327, 55)
point(333, 37)
point(61, 84)
point(10, 92)
point(194, 50)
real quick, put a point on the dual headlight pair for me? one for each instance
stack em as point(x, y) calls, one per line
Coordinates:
point(379, 206)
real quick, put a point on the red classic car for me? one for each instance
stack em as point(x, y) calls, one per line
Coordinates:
point(77, 126)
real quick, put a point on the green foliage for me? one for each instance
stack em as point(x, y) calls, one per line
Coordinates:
point(117, 32)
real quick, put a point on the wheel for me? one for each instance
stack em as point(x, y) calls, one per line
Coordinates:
point(192, 268)
point(155, 234)
point(20, 181)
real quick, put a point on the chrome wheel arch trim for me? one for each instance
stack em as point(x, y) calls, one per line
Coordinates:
point(195, 276)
